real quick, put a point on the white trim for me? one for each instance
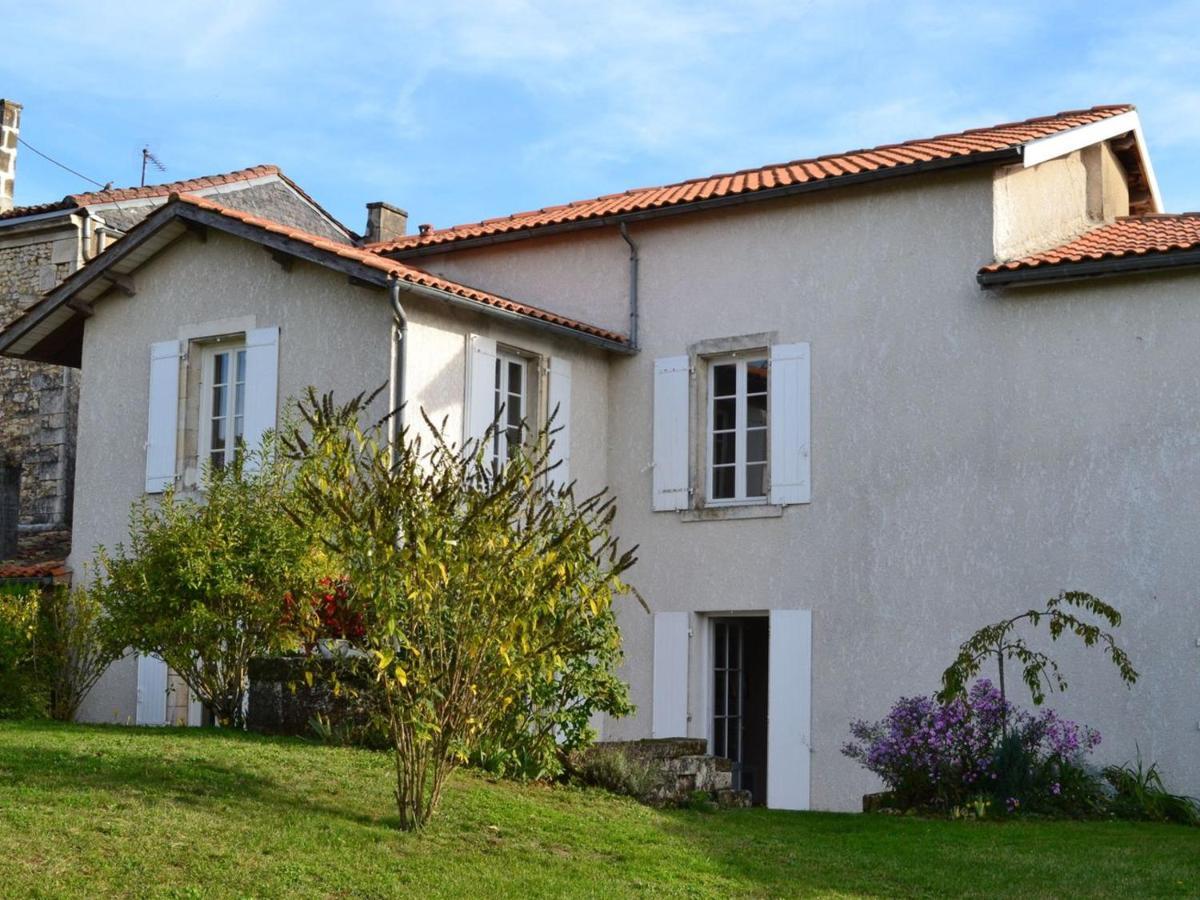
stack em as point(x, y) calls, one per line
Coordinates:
point(1056, 145)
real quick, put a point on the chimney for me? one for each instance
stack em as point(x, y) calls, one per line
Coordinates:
point(10, 127)
point(384, 222)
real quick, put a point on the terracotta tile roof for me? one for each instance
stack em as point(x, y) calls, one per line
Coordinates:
point(57, 570)
point(40, 554)
point(749, 181)
point(90, 198)
point(403, 271)
point(1151, 235)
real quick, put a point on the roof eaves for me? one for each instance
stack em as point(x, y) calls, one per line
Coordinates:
point(1110, 264)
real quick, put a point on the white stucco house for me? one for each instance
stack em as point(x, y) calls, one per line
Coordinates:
point(852, 408)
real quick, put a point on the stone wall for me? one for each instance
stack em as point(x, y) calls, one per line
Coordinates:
point(38, 402)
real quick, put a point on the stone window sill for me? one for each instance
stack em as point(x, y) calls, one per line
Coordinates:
point(721, 513)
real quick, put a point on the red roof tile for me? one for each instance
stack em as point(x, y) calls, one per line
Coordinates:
point(404, 272)
point(90, 198)
point(1127, 236)
point(890, 156)
point(57, 569)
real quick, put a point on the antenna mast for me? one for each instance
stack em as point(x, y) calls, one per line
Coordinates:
point(148, 157)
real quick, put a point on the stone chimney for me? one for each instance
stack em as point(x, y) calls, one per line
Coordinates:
point(10, 127)
point(384, 222)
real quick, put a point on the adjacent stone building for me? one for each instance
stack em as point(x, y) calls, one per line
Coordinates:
point(40, 245)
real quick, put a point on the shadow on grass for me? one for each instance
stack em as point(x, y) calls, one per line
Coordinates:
point(876, 856)
point(164, 765)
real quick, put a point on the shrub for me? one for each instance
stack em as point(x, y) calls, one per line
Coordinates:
point(946, 754)
point(75, 644)
point(477, 591)
point(21, 694)
point(1139, 793)
point(201, 580)
point(615, 770)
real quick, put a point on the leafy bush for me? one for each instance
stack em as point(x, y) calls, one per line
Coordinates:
point(75, 644)
point(615, 770)
point(947, 754)
point(21, 694)
point(201, 581)
point(484, 597)
point(1140, 794)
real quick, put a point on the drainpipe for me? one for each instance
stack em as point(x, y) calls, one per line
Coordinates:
point(633, 285)
point(396, 381)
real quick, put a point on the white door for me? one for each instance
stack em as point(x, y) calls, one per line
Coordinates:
point(151, 690)
point(789, 709)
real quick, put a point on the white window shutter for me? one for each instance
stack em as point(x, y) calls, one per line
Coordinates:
point(669, 713)
point(480, 407)
point(789, 709)
point(559, 392)
point(790, 424)
point(671, 384)
point(262, 384)
point(162, 421)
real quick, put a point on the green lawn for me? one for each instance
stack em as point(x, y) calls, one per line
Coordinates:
point(104, 811)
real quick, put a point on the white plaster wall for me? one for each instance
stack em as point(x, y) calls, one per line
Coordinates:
point(972, 455)
point(332, 335)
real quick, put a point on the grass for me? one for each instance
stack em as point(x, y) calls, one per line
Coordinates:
point(89, 811)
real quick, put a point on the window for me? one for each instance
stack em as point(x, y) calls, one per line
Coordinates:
point(737, 430)
point(510, 406)
point(223, 399)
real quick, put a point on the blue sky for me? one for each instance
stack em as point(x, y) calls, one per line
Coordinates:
point(457, 111)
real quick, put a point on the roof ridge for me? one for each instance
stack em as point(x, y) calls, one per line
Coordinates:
point(169, 187)
point(830, 165)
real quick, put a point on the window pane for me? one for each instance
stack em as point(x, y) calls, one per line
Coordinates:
point(719, 695)
point(239, 430)
point(756, 480)
point(514, 409)
point(514, 377)
point(723, 482)
point(220, 368)
point(241, 365)
point(218, 435)
point(735, 647)
point(719, 738)
point(720, 639)
point(723, 448)
point(756, 376)
point(514, 441)
point(734, 750)
point(724, 380)
point(724, 414)
point(733, 707)
point(219, 394)
point(756, 411)
point(756, 445)
point(239, 399)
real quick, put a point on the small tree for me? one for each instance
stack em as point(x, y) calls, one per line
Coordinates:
point(1001, 641)
point(201, 581)
point(477, 590)
point(75, 644)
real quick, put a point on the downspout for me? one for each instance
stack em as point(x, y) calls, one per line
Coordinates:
point(396, 381)
point(633, 285)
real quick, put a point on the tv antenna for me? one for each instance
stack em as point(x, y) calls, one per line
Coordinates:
point(148, 157)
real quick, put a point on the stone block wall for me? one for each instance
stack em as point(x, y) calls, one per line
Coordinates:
point(38, 403)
